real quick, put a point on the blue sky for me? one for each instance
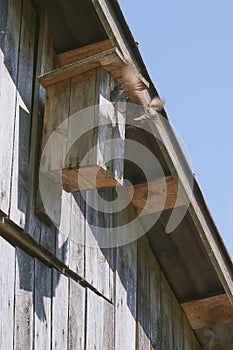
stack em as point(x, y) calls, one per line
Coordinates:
point(187, 47)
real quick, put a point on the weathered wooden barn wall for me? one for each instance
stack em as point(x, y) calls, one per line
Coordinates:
point(42, 309)
point(128, 303)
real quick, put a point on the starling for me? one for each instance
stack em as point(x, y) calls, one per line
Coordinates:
point(131, 83)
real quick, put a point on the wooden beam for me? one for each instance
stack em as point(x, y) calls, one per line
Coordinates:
point(17, 237)
point(83, 52)
point(112, 60)
point(111, 57)
point(155, 196)
point(87, 178)
point(209, 312)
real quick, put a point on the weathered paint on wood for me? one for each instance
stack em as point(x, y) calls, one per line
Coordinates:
point(24, 311)
point(45, 62)
point(77, 304)
point(97, 259)
point(125, 296)
point(77, 234)
point(23, 115)
point(7, 292)
point(9, 75)
point(100, 323)
point(43, 306)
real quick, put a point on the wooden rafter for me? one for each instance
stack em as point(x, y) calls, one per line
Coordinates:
point(157, 195)
point(209, 312)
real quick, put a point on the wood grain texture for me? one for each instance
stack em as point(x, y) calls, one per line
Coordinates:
point(149, 324)
point(83, 52)
point(156, 196)
point(60, 311)
point(24, 310)
point(9, 54)
point(143, 296)
point(45, 62)
point(209, 312)
point(98, 255)
point(43, 305)
point(7, 280)
point(77, 299)
point(125, 296)
point(77, 234)
point(177, 324)
point(23, 109)
point(111, 57)
point(100, 323)
point(166, 315)
point(86, 178)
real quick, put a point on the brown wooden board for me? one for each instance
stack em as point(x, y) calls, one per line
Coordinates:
point(209, 312)
point(83, 52)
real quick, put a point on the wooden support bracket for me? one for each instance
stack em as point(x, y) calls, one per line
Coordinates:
point(75, 55)
point(209, 312)
point(157, 189)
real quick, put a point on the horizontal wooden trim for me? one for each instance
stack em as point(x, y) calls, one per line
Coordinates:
point(86, 178)
point(209, 312)
point(150, 197)
point(16, 236)
point(112, 60)
point(83, 52)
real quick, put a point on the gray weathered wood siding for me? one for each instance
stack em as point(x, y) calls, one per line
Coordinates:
point(124, 300)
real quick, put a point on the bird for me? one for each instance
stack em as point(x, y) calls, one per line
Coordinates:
point(132, 84)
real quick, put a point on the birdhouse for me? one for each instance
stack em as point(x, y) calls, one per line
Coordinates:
point(84, 123)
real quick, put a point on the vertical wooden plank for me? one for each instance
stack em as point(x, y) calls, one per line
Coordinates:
point(43, 296)
point(7, 107)
point(187, 335)
point(143, 296)
point(24, 311)
point(166, 314)
point(77, 233)
point(45, 62)
point(60, 301)
point(155, 302)
point(177, 324)
point(7, 280)
point(77, 299)
point(148, 298)
point(189, 340)
point(59, 311)
point(3, 11)
point(125, 299)
point(81, 100)
point(23, 116)
point(56, 124)
point(98, 270)
point(9, 73)
point(100, 323)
